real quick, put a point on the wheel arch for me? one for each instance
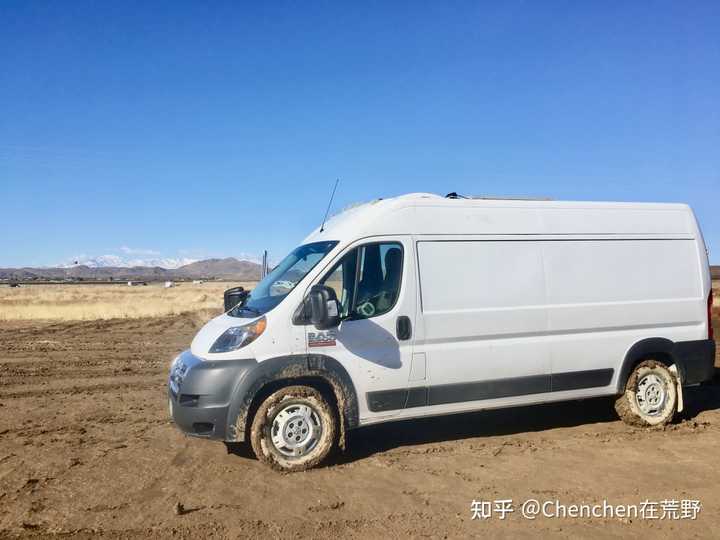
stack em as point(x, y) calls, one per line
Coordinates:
point(319, 371)
point(656, 348)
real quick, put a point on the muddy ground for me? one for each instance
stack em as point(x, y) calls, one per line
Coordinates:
point(86, 449)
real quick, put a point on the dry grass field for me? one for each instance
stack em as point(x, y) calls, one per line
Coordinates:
point(91, 302)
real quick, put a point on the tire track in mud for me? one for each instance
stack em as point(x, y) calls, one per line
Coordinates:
point(40, 359)
point(24, 378)
point(89, 358)
point(14, 332)
point(80, 427)
point(133, 386)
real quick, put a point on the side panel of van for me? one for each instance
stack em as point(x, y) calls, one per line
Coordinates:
point(483, 308)
point(605, 295)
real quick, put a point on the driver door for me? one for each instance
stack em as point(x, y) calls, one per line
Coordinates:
point(375, 285)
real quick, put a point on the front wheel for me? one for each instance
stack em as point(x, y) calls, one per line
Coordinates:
point(294, 429)
point(650, 397)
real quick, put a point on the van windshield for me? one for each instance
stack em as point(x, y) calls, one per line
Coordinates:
point(277, 284)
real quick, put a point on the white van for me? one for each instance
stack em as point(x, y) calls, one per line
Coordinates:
point(422, 305)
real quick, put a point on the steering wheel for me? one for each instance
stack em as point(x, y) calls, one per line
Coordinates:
point(367, 308)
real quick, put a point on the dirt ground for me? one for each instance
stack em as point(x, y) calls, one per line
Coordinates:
point(86, 449)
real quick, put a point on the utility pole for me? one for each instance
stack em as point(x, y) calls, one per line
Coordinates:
point(264, 270)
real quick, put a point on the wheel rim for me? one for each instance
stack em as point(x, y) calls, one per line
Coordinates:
point(296, 430)
point(651, 394)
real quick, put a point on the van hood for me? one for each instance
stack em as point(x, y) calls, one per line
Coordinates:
point(212, 330)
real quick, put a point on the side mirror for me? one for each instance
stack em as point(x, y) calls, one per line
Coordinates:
point(324, 307)
point(234, 296)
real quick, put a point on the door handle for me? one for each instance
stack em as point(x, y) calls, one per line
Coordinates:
point(403, 328)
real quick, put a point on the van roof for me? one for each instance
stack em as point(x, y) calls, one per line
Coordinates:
point(432, 214)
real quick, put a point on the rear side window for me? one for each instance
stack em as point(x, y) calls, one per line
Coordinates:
point(367, 279)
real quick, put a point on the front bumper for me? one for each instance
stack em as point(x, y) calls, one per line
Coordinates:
point(200, 392)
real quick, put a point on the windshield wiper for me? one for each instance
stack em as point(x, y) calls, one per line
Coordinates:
point(251, 310)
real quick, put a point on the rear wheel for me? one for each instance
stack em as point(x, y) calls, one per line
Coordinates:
point(650, 397)
point(294, 429)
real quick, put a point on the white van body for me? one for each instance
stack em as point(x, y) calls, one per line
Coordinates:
point(508, 302)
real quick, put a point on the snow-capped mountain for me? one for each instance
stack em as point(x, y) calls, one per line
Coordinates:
point(118, 261)
point(130, 260)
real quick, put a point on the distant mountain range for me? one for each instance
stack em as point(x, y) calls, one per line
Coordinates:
point(228, 268)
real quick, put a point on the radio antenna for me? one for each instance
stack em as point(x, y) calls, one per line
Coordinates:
point(332, 196)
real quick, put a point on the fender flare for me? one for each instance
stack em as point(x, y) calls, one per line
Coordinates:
point(646, 348)
point(287, 368)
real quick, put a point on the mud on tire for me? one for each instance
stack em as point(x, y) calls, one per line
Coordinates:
point(650, 397)
point(294, 429)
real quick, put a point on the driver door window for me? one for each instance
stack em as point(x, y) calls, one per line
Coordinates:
point(367, 280)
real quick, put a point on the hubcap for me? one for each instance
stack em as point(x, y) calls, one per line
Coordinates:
point(296, 430)
point(651, 394)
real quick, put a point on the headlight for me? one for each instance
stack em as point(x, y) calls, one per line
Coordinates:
point(174, 361)
point(238, 336)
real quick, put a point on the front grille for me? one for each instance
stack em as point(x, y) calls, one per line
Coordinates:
point(189, 400)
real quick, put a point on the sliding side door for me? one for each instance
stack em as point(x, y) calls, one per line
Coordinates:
point(485, 321)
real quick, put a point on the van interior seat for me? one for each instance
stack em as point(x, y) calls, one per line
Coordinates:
point(393, 271)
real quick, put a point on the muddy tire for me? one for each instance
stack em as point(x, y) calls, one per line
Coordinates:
point(650, 397)
point(294, 429)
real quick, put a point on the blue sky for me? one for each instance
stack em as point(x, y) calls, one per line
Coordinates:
point(189, 129)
